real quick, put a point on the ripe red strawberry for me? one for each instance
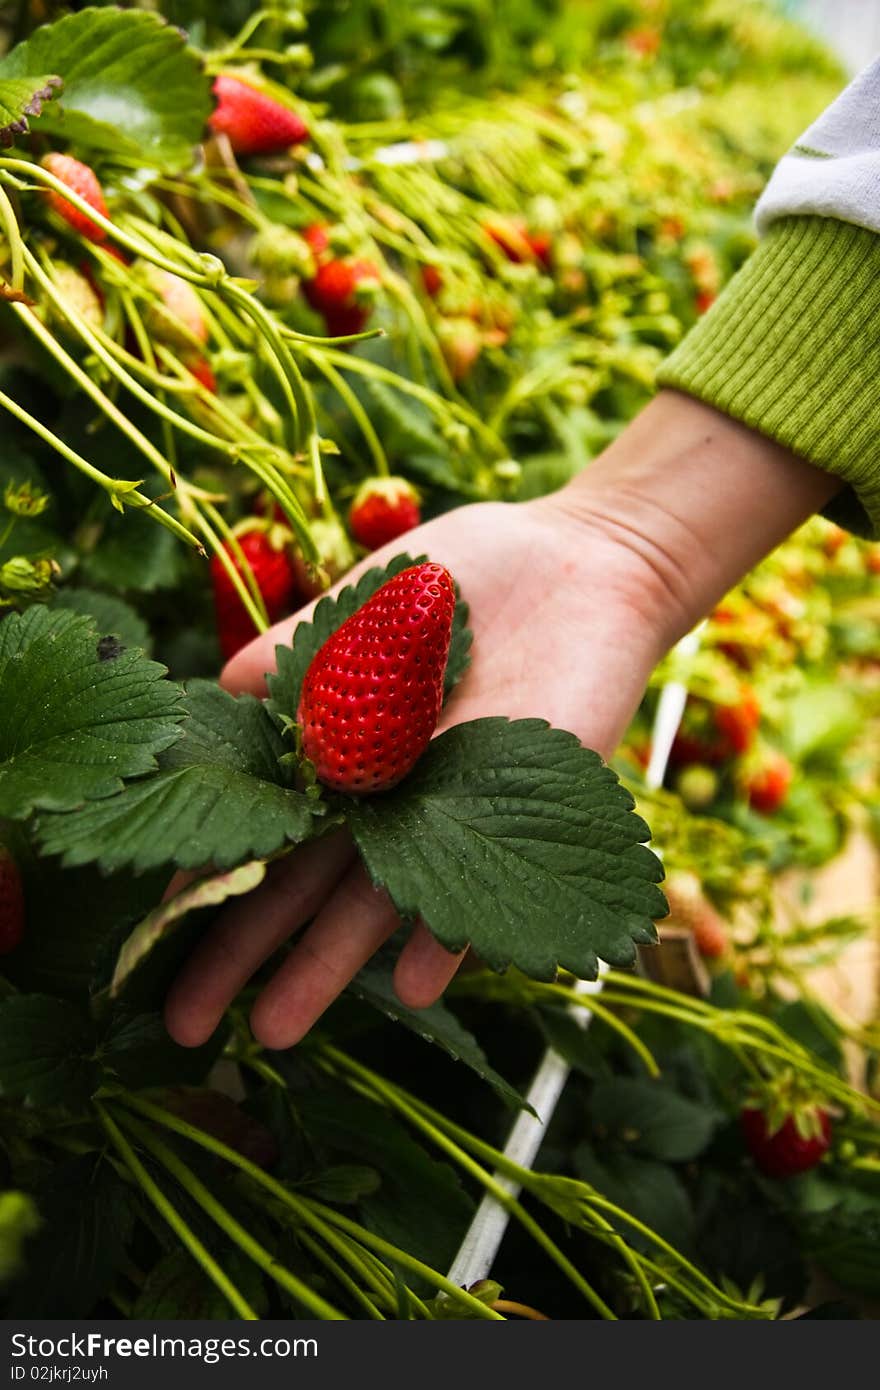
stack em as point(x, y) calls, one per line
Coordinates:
point(82, 180)
point(340, 290)
point(372, 696)
point(11, 903)
point(738, 723)
point(793, 1146)
point(276, 581)
point(768, 784)
point(383, 509)
point(690, 908)
point(252, 121)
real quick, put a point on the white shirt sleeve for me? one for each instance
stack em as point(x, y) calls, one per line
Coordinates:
point(834, 169)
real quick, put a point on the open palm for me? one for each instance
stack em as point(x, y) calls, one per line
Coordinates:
point(558, 613)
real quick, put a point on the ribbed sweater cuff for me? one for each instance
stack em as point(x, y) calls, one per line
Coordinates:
point(792, 348)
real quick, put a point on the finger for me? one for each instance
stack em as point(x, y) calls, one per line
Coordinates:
point(424, 969)
point(348, 930)
point(246, 672)
point(248, 931)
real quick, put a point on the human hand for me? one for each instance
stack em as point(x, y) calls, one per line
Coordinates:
point(573, 600)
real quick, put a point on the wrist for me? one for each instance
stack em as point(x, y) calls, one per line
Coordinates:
point(692, 500)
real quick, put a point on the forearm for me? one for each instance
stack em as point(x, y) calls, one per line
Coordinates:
point(699, 499)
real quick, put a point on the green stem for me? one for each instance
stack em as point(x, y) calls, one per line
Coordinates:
point(165, 1208)
point(341, 1276)
point(211, 270)
point(305, 1208)
point(110, 485)
point(13, 236)
point(114, 366)
point(357, 412)
point(389, 1094)
point(200, 1194)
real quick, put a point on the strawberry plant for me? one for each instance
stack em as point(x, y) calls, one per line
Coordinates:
point(249, 334)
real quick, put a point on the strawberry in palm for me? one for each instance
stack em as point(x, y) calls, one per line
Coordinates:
point(372, 695)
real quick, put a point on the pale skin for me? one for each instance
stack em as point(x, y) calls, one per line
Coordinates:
point(574, 598)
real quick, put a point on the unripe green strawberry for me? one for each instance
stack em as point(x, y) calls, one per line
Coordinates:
point(697, 785)
point(80, 293)
point(253, 121)
point(372, 695)
point(176, 316)
point(276, 581)
point(82, 180)
point(383, 509)
point(461, 343)
point(11, 903)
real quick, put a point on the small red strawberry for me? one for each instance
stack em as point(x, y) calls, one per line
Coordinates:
point(11, 903)
point(541, 244)
point(276, 581)
point(794, 1145)
point(738, 723)
point(342, 292)
point(372, 696)
point(318, 238)
point(383, 509)
point(768, 784)
point(252, 121)
point(82, 180)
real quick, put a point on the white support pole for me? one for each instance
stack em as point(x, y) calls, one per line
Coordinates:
point(482, 1240)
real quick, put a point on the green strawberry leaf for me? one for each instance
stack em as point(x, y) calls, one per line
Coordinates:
point(330, 613)
point(21, 97)
point(220, 797)
point(47, 1052)
point(435, 1024)
point(111, 615)
point(75, 723)
point(512, 838)
point(131, 84)
point(651, 1118)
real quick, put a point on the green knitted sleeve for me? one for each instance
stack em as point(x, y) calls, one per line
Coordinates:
point(792, 348)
